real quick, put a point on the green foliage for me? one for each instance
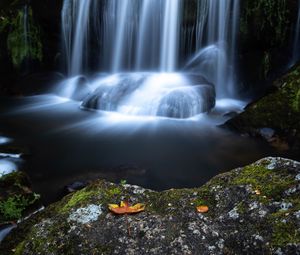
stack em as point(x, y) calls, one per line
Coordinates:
point(296, 101)
point(4, 23)
point(21, 44)
point(13, 207)
point(123, 182)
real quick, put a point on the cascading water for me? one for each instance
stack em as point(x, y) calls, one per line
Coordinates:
point(75, 21)
point(296, 43)
point(145, 36)
point(169, 48)
point(215, 40)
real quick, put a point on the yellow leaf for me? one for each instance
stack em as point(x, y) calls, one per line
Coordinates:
point(111, 206)
point(124, 208)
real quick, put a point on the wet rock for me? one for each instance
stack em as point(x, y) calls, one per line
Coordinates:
point(267, 133)
point(78, 185)
point(187, 102)
point(276, 117)
point(230, 114)
point(250, 212)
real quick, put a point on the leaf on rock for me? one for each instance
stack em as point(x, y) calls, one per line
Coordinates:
point(202, 209)
point(125, 208)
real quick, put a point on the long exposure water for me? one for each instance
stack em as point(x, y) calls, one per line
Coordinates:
point(66, 145)
point(147, 86)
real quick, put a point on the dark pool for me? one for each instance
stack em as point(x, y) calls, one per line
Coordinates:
point(68, 144)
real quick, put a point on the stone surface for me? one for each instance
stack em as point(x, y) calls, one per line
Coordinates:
point(252, 210)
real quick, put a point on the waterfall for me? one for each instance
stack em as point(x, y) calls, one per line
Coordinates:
point(296, 44)
point(148, 36)
point(169, 48)
point(138, 41)
point(215, 44)
point(75, 23)
point(26, 30)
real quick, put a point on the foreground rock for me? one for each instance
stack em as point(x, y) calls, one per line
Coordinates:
point(252, 210)
point(279, 111)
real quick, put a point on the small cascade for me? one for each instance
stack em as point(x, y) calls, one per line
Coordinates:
point(75, 23)
point(149, 36)
point(216, 25)
point(296, 43)
point(26, 29)
point(169, 48)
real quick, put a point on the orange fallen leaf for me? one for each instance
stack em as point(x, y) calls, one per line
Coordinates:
point(202, 209)
point(125, 208)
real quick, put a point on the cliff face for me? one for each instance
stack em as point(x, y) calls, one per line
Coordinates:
point(252, 210)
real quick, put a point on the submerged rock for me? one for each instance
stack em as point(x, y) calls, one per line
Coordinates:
point(254, 209)
point(187, 102)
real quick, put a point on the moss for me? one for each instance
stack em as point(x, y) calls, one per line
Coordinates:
point(270, 183)
point(114, 191)
point(20, 248)
point(77, 198)
point(279, 110)
point(242, 208)
point(24, 44)
point(284, 233)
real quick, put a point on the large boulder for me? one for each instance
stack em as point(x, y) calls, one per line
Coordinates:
point(252, 210)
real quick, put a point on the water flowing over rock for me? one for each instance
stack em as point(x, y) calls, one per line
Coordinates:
point(150, 35)
point(168, 95)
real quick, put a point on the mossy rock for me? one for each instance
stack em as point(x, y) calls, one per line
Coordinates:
point(22, 44)
point(254, 209)
point(279, 110)
point(16, 197)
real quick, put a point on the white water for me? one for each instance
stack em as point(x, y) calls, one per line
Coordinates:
point(75, 21)
point(169, 48)
point(150, 35)
point(296, 43)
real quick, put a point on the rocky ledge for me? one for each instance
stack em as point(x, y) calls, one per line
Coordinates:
point(252, 210)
